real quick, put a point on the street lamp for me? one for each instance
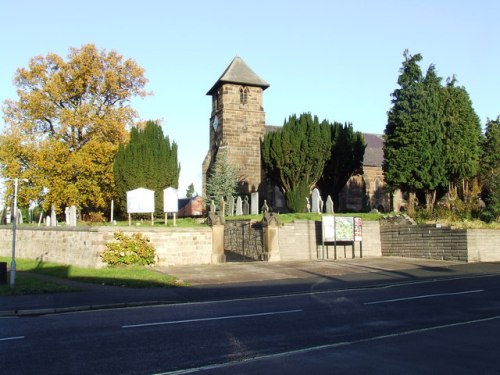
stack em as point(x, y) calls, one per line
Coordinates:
point(14, 226)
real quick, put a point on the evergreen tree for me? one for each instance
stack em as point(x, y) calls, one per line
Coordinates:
point(190, 191)
point(346, 158)
point(490, 170)
point(295, 155)
point(413, 135)
point(462, 138)
point(222, 181)
point(148, 160)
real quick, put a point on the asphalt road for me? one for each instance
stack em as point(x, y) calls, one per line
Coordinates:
point(441, 326)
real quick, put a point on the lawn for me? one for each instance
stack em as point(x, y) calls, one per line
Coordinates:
point(125, 276)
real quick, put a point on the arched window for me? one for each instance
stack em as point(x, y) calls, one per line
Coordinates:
point(243, 95)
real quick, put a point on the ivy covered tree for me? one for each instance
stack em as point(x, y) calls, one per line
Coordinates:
point(490, 170)
point(346, 159)
point(413, 137)
point(148, 160)
point(63, 130)
point(222, 181)
point(295, 155)
point(463, 139)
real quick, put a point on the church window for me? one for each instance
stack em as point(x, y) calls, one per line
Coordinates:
point(243, 95)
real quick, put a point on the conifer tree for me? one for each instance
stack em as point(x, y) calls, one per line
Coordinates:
point(148, 160)
point(222, 181)
point(295, 155)
point(346, 158)
point(462, 138)
point(413, 150)
point(490, 170)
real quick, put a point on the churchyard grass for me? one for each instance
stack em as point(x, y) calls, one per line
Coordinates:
point(124, 276)
point(289, 218)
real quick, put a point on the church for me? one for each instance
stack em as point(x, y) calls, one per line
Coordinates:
point(237, 128)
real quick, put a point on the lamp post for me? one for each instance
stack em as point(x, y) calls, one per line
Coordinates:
point(14, 226)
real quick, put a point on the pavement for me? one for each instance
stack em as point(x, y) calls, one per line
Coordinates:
point(243, 280)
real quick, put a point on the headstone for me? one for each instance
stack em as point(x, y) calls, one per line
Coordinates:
point(72, 216)
point(53, 219)
point(47, 221)
point(66, 214)
point(254, 204)
point(246, 206)
point(315, 198)
point(329, 205)
point(321, 205)
point(308, 205)
point(212, 206)
point(239, 207)
point(279, 199)
point(231, 206)
point(222, 207)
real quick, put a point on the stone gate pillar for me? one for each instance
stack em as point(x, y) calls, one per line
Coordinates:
point(270, 228)
point(217, 223)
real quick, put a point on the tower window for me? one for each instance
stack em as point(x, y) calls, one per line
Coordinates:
point(243, 95)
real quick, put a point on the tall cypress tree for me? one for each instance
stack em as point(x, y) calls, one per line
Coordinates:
point(463, 138)
point(149, 160)
point(490, 170)
point(413, 148)
point(346, 158)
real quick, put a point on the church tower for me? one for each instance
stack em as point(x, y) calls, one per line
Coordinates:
point(237, 124)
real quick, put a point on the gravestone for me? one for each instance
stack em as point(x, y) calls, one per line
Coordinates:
point(254, 202)
point(66, 213)
point(321, 205)
point(265, 207)
point(231, 207)
point(239, 207)
point(329, 205)
point(72, 216)
point(315, 198)
point(212, 206)
point(53, 219)
point(246, 206)
point(308, 205)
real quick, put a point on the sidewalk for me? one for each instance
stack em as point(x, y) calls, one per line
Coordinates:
point(242, 280)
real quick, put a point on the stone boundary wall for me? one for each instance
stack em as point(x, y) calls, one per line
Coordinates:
point(81, 246)
point(302, 240)
point(424, 241)
point(483, 245)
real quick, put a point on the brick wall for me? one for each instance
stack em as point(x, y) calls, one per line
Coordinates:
point(82, 246)
point(424, 241)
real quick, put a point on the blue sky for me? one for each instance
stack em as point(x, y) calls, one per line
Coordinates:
point(336, 59)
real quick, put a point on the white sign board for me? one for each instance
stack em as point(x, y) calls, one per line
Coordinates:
point(140, 201)
point(170, 200)
point(328, 226)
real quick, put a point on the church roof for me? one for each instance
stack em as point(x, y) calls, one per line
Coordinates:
point(374, 153)
point(239, 72)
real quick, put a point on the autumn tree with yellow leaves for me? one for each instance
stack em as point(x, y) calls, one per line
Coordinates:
point(63, 131)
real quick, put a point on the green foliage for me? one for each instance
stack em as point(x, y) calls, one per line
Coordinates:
point(149, 160)
point(462, 135)
point(346, 159)
point(222, 180)
point(413, 137)
point(296, 198)
point(134, 249)
point(95, 218)
point(490, 171)
point(190, 191)
point(295, 155)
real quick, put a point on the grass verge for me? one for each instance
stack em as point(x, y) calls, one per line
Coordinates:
point(126, 276)
point(26, 284)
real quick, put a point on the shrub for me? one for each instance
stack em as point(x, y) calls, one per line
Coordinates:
point(96, 218)
point(134, 249)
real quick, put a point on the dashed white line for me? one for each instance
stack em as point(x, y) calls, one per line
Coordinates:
point(424, 296)
point(12, 338)
point(213, 318)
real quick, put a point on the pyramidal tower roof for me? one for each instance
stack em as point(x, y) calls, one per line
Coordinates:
point(239, 72)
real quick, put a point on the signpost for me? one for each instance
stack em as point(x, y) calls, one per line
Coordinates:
point(342, 229)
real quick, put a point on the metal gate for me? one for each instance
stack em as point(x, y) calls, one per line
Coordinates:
point(243, 241)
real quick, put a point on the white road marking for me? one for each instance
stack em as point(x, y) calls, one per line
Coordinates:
point(214, 318)
point(12, 338)
point(424, 296)
point(327, 346)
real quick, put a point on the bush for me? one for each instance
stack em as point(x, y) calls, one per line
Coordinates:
point(296, 199)
point(134, 249)
point(96, 218)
